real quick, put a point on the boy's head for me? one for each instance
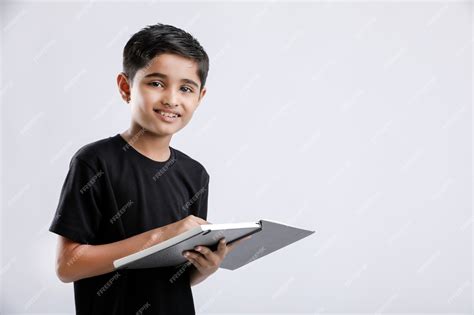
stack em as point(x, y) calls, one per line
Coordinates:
point(164, 70)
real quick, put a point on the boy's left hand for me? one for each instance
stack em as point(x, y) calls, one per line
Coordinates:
point(206, 261)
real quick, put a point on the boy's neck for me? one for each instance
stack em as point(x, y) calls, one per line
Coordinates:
point(152, 146)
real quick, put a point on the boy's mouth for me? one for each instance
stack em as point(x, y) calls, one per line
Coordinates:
point(169, 114)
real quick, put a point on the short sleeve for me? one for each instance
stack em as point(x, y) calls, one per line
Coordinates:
point(203, 197)
point(78, 213)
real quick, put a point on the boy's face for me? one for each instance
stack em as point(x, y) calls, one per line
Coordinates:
point(169, 84)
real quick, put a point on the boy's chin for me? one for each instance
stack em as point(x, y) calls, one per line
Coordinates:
point(164, 131)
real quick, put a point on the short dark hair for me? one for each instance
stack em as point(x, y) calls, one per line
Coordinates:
point(154, 40)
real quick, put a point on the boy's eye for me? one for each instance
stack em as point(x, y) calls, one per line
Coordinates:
point(155, 83)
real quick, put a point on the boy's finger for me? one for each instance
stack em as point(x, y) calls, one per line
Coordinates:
point(195, 263)
point(194, 259)
point(203, 250)
point(201, 221)
point(221, 248)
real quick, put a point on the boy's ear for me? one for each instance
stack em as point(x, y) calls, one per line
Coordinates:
point(201, 95)
point(124, 86)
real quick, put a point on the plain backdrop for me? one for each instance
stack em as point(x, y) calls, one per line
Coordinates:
point(349, 118)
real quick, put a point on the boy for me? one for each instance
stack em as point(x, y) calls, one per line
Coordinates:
point(133, 190)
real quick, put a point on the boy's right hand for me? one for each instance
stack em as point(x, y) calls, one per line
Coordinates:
point(186, 224)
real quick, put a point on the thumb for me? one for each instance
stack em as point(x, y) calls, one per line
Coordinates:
point(221, 247)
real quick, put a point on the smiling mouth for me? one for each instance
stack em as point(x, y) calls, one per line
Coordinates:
point(166, 114)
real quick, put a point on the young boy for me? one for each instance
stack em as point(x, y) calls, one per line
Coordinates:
point(133, 190)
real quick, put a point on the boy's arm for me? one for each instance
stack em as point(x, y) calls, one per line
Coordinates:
point(77, 261)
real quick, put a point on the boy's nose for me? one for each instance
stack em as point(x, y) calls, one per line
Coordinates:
point(170, 99)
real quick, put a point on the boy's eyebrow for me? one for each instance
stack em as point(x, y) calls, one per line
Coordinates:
point(164, 76)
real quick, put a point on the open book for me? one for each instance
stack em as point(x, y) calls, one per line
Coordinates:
point(267, 237)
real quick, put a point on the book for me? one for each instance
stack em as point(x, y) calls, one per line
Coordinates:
point(266, 237)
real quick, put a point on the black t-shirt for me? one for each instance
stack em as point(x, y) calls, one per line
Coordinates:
point(113, 192)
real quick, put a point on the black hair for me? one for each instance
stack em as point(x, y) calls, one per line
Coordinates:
point(154, 40)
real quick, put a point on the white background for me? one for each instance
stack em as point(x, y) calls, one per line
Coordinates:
point(352, 119)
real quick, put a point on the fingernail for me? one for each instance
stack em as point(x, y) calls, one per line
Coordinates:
point(198, 248)
point(186, 254)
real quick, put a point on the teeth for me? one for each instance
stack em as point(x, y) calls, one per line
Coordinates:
point(167, 114)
